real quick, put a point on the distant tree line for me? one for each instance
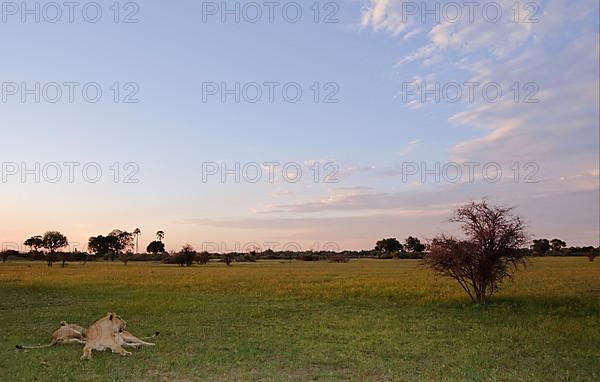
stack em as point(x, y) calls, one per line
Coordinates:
point(110, 249)
point(557, 247)
point(118, 245)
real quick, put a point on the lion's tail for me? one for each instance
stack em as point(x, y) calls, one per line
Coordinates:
point(156, 334)
point(24, 347)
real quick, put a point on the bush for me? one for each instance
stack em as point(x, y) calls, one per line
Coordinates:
point(339, 259)
point(308, 257)
point(9, 253)
point(409, 255)
point(388, 255)
point(35, 256)
point(245, 258)
point(185, 257)
point(227, 258)
point(203, 258)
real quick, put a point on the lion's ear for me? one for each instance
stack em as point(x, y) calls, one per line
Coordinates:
point(110, 316)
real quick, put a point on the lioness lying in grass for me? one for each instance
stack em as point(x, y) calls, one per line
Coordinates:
point(65, 334)
point(72, 333)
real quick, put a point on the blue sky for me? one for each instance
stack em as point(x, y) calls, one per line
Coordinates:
point(369, 133)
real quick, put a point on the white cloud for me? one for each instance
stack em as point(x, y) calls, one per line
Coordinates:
point(559, 54)
point(411, 34)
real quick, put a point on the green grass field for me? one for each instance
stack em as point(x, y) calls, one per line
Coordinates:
point(277, 321)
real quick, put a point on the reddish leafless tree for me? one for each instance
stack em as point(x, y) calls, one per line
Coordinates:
point(490, 252)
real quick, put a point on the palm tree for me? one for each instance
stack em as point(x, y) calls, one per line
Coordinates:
point(160, 235)
point(136, 232)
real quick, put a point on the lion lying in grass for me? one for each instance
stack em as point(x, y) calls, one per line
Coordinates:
point(110, 332)
point(105, 334)
point(65, 334)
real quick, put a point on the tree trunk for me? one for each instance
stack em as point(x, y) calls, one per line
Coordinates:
point(481, 295)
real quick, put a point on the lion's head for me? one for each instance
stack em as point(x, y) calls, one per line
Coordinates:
point(117, 321)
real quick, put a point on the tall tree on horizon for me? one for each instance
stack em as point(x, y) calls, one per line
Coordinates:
point(34, 243)
point(160, 235)
point(156, 247)
point(137, 232)
point(557, 245)
point(120, 241)
point(387, 246)
point(541, 247)
point(414, 245)
point(52, 241)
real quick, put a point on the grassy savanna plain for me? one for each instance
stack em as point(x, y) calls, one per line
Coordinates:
point(277, 321)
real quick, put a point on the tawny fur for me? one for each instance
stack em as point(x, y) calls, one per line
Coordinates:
point(105, 334)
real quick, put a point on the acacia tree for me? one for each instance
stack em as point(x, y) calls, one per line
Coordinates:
point(52, 241)
point(112, 244)
point(413, 244)
point(557, 245)
point(490, 252)
point(34, 243)
point(387, 246)
point(120, 241)
point(186, 255)
point(98, 245)
point(540, 247)
point(227, 258)
point(203, 258)
point(156, 247)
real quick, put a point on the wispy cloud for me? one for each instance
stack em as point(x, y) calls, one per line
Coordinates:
point(408, 148)
point(561, 131)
